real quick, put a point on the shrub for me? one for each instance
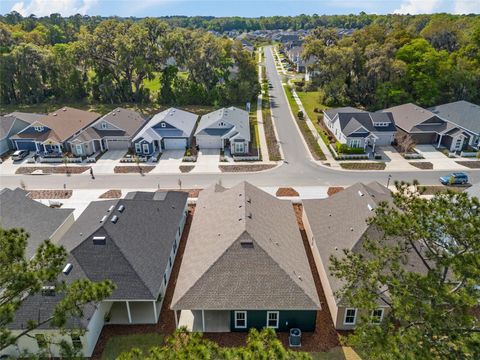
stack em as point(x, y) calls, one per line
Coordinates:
point(300, 114)
point(316, 110)
point(345, 149)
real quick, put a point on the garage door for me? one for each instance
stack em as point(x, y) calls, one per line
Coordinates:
point(209, 142)
point(25, 145)
point(174, 144)
point(113, 144)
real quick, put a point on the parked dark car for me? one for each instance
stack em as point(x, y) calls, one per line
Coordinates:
point(20, 155)
point(454, 179)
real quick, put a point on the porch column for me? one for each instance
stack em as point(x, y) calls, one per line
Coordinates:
point(93, 146)
point(203, 321)
point(44, 148)
point(128, 312)
point(101, 145)
point(36, 146)
point(176, 319)
point(155, 310)
point(440, 140)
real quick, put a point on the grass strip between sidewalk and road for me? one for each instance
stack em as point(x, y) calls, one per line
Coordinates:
point(272, 141)
point(310, 139)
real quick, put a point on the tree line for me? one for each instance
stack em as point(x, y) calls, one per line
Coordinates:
point(110, 61)
point(427, 60)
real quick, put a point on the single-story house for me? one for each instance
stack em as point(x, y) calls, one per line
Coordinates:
point(12, 124)
point(426, 127)
point(133, 242)
point(360, 129)
point(226, 128)
point(41, 222)
point(244, 265)
point(466, 117)
point(340, 222)
point(169, 130)
point(50, 134)
point(113, 131)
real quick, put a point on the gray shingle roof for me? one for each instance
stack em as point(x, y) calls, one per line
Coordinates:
point(461, 113)
point(409, 116)
point(331, 113)
point(220, 271)
point(138, 245)
point(6, 123)
point(27, 117)
point(237, 118)
point(40, 221)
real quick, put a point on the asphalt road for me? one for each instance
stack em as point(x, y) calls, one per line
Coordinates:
point(297, 170)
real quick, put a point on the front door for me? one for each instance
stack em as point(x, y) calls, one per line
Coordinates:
point(459, 143)
point(79, 149)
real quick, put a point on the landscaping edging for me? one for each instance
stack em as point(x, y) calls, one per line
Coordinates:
point(50, 194)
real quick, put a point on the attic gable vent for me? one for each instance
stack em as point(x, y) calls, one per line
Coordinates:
point(66, 270)
point(99, 240)
point(370, 207)
point(246, 243)
point(114, 219)
point(121, 208)
point(360, 193)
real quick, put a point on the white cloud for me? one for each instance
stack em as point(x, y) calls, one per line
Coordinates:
point(418, 7)
point(467, 7)
point(47, 7)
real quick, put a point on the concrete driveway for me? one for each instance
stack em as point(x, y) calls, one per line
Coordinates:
point(439, 160)
point(108, 161)
point(393, 159)
point(169, 162)
point(207, 161)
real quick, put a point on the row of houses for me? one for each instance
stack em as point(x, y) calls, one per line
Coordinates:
point(453, 126)
point(84, 133)
point(244, 264)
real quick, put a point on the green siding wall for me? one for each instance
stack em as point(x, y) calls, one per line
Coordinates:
point(302, 319)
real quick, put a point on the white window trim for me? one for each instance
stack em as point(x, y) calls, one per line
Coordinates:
point(163, 125)
point(381, 316)
point(138, 148)
point(278, 319)
point(146, 149)
point(235, 320)
point(38, 128)
point(354, 318)
point(104, 125)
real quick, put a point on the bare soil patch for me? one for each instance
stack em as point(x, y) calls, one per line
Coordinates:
point(52, 169)
point(363, 166)
point(111, 194)
point(186, 168)
point(245, 168)
point(333, 190)
point(124, 169)
point(437, 189)
point(192, 193)
point(49, 194)
point(472, 164)
point(424, 165)
point(287, 191)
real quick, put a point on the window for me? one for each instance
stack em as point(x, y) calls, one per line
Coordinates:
point(355, 143)
point(41, 341)
point(377, 316)
point(170, 262)
point(241, 319)
point(163, 125)
point(76, 342)
point(138, 148)
point(272, 319)
point(146, 149)
point(350, 316)
point(104, 125)
point(165, 279)
point(38, 128)
point(239, 147)
point(175, 247)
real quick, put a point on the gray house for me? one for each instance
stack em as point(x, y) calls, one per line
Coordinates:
point(12, 124)
point(360, 129)
point(133, 242)
point(113, 131)
point(171, 129)
point(337, 223)
point(226, 128)
point(244, 265)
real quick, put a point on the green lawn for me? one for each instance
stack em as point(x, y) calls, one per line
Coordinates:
point(254, 126)
point(118, 344)
point(153, 85)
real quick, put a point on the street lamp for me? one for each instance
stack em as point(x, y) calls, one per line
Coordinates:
point(388, 180)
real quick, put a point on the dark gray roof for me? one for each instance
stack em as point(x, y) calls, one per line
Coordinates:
point(352, 121)
point(220, 272)
point(27, 117)
point(40, 221)
point(461, 113)
point(137, 246)
point(331, 113)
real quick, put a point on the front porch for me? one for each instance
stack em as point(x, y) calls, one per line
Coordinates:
point(133, 312)
point(203, 320)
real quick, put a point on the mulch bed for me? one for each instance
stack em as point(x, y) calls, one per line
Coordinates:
point(363, 166)
point(473, 164)
point(436, 189)
point(186, 168)
point(287, 191)
point(424, 165)
point(244, 168)
point(166, 322)
point(53, 169)
point(192, 193)
point(111, 194)
point(124, 169)
point(49, 194)
point(333, 190)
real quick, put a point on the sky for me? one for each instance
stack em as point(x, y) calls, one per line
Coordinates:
point(246, 8)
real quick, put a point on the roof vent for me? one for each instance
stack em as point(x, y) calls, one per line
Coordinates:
point(64, 109)
point(114, 219)
point(103, 218)
point(66, 270)
point(54, 114)
point(370, 207)
point(99, 240)
point(111, 208)
point(250, 215)
point(351, 229)
point(360, 193)
point(121, 208)
point(249, 200)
